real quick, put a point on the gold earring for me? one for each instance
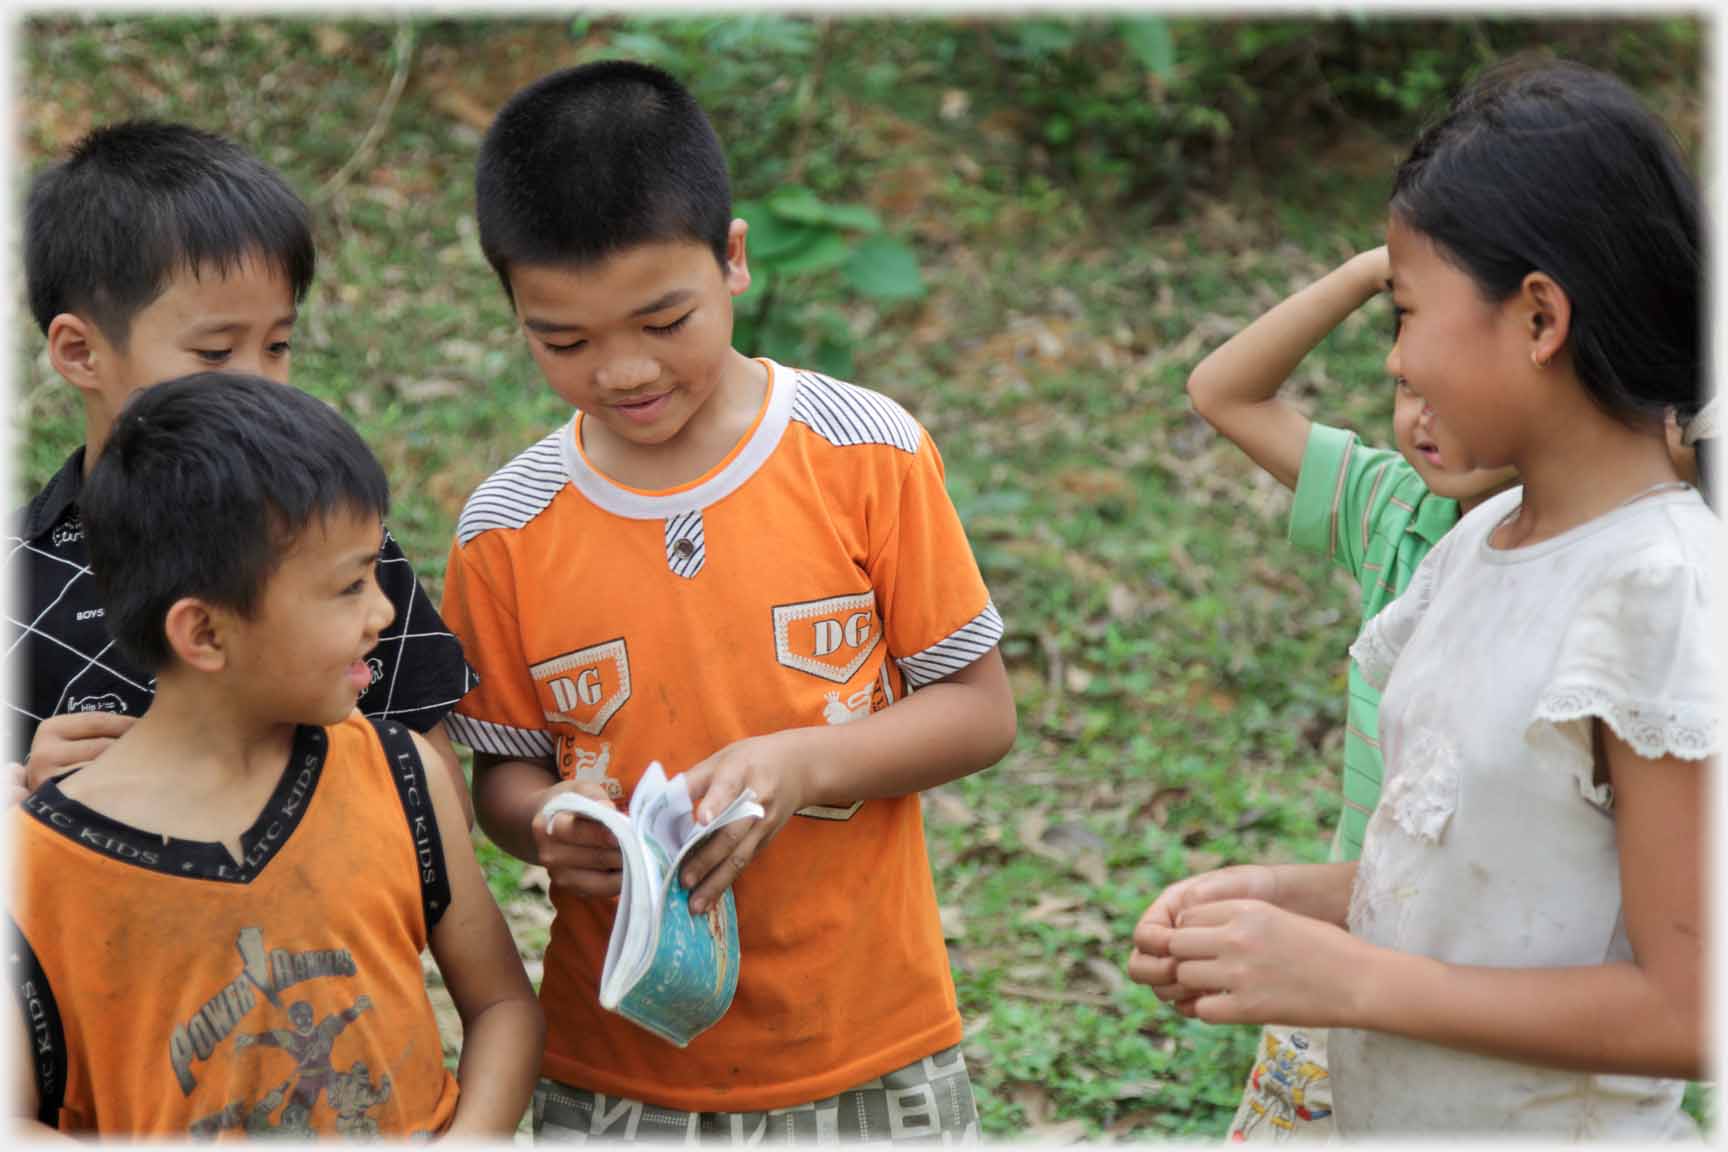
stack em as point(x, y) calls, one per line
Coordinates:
point(1537, 360)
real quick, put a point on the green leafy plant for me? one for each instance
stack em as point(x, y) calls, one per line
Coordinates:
point(798, 240)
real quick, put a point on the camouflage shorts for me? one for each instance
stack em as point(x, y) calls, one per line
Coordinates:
point(929, 1101)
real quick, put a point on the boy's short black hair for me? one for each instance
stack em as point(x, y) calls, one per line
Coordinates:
point(136, 202)
point(595, 159)
point(204, 485)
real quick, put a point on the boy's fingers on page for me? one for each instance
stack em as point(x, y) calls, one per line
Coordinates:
point(721, 877)
point(723, 788)
point(712, 854)
point(700, 779)
point(586, 833)
point(563, 828)
point(583, 856)
point(587, 881)
point(594, 790)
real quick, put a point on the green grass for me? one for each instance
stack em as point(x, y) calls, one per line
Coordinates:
point(1179, 668)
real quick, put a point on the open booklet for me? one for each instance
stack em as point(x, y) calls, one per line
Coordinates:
point(669, 971)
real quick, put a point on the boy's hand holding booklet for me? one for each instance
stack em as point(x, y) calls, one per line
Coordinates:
point(666, 970)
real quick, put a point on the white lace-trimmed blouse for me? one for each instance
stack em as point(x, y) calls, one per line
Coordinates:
point(1493, 844)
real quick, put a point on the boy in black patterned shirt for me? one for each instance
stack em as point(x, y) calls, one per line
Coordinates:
point(153, 251)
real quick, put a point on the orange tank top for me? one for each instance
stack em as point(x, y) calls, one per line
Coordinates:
point(171, 991)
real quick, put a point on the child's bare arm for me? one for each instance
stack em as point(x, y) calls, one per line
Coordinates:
point(444, 752)
point(25, 1100)
point(502, 1028)
point(576, 853)
point(1254, 963)
point(1236, 388)
point(945, 730)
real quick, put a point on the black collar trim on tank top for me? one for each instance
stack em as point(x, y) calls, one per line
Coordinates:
point(195, 859)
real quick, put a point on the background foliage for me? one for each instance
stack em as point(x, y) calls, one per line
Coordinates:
point(1028, 231)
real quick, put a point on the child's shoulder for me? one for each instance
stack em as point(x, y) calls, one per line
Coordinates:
point(1661, 552)
point(847, 415)
point(50, 504)
point(1641, 558)
point(519, 491)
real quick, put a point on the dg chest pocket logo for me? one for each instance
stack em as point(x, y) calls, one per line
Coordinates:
point(587, 687)
point(828, 638)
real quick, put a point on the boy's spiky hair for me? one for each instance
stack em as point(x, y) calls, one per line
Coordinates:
point(595, 159)
point(203, 487)
point(137, 202)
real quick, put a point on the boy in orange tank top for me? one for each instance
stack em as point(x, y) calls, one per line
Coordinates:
point(218, 922)
point(751, 574)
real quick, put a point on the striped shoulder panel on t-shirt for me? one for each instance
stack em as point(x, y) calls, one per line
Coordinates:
point(846, 415)
point(960, 648)
point(519, 491)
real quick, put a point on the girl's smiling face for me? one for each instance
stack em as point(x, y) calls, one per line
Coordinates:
point(1461, 356)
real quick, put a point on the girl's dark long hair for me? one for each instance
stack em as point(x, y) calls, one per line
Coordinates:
point(1558, 168)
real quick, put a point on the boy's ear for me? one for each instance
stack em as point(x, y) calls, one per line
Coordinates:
point(737, 260)
point(1548, 313)
point(75, 349)
point(195, 634)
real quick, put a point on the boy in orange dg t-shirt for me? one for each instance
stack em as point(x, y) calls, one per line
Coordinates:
point(749, 573)
point(217, 923)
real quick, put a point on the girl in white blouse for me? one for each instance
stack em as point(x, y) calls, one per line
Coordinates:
point(1521, 948)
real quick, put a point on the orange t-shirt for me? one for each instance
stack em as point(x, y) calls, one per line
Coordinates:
point(171, 991)
point(811, 577)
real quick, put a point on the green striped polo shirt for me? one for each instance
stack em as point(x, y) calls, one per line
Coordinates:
point(1369, 512)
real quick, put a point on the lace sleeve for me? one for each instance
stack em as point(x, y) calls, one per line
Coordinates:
point(1639, 656)
point(1377, 646)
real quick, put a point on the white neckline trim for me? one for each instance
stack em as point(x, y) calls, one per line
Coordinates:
point(1635, 508)
point(607, 495)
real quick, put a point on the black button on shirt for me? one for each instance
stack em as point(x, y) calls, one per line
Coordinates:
point(62, 658)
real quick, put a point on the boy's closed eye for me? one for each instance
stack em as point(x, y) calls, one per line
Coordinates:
point(656, 329)
point(219, 356)
point(667, 329)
